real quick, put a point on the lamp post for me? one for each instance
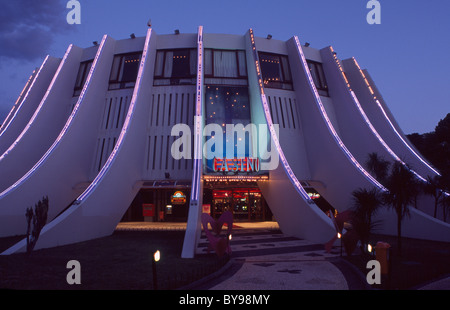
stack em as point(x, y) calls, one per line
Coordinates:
point(155, 258)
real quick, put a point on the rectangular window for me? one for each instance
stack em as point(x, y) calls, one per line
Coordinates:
point(124, 71)
point(83, 72)
point(275, 71)
point(175, 67)
point(228, 105)
point(318, 76)
point(225, 67)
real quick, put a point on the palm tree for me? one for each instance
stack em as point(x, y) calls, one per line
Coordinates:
point(445, 203)
point(378, 167)
point(365, 205)
point(433, 188)
point(402, 188)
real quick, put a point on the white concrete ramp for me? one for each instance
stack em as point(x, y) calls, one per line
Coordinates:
point(53, 175)
point(27, 103)
point(383, 121)
point(97, 211)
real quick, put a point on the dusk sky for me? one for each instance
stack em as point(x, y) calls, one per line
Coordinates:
point(407, 55)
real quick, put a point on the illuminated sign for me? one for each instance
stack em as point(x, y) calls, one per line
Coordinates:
point(178, 198)
point(243, 164)
point(314, 195)
point(148, 209)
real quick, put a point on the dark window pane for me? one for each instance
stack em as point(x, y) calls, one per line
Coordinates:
point(130, 68)
point(286, 70)
point(115, 68)
point(180, 65)
point(83, 73)
point(271, 68)
point(208, 62)
point(275, 71)
point(318, 77)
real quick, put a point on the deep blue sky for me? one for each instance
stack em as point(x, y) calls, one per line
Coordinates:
point(407, 55)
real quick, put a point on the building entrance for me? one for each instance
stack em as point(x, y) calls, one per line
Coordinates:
point(246, 204)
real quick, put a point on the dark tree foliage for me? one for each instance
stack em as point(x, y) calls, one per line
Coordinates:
point(38, 218)
point(435, 145)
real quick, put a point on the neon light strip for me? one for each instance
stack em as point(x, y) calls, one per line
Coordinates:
point(198, 137)
point(390, 122)
point(328, 122)
point(66, 126)
point(31, 121)
point(90, 189)
point(20, 100)
point(273, 134)
point(369, 124)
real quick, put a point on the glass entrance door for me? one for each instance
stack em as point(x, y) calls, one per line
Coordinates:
point(246, 204)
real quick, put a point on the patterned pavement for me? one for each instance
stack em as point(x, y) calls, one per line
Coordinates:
point(265, 259)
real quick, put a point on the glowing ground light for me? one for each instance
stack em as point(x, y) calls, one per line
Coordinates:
point(157, 256)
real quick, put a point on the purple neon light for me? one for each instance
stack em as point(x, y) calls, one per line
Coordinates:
point(328, 122)
point(198, 138)
point(372, 128)
point(125, 126)
point(66, 126)
point(273, 134)
point(30, 122)
point(401, 138)
point(19, 102)
point(389, 120)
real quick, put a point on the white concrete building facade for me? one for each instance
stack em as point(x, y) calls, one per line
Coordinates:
point(100, 133)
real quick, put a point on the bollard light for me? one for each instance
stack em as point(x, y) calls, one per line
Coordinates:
point(157, 256)
point(339, 235)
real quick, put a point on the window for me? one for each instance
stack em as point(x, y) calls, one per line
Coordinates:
point(225, 67)
point(318, 76)
point(124, 71)
point(83, 72)
point(175, 67)
point(275, 71)
point(228, 105)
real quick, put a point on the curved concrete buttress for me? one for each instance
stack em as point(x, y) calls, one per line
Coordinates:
point(97, 211)
point(54, 175)
point(296, 214)
point(418, 225)
point(330, 160)
point(382, 119)
point(193, 226)
point(28, 101)
point(356, 130)
point(46, 121)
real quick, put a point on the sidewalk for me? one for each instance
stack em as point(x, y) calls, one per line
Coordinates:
point(265, 259)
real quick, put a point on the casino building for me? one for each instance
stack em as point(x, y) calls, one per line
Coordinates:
point(166, 127)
